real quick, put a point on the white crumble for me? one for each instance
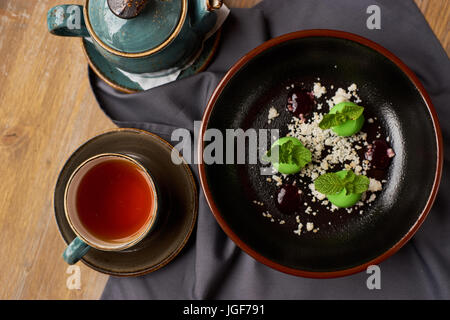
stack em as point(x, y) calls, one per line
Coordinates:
point(299, 229)
point(364, 196)
point(341, 96)
point(372, 198)
point(259, 203)
point(277, 179)
point(328, 151)
point(374, 185)
point(316, 140)
point(319, 90)
point(352, 87)
point(273, 113)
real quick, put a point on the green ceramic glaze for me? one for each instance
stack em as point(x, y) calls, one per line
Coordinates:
point(67, 20)
point(119, 80)
point(75, 251)
point(148, 43)
point(149, 29)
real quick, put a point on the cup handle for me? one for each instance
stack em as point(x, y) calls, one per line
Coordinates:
point(75, 251)
point(67, 20)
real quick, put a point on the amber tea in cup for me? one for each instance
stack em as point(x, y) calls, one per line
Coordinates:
point(110, 203)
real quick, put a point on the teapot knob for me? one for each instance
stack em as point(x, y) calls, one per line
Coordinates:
point(126, 9)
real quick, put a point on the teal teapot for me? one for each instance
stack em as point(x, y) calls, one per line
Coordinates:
point(139, 36)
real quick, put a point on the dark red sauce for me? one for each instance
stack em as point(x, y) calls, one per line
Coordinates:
point(379, 153)
point(289, 199)
point(300, 102)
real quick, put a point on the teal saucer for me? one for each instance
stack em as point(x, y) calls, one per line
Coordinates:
point(127, 82)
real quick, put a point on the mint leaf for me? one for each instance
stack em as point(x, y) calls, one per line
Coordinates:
point(349, 177)
point(271, 154)
point(332, 183)
point(329, 183)
point(353, 112)
point(301, 156)
point(287, 149)
point(359, 185)
point(332, 120)
point(349, 189)
point(348, 112)
point(289, 153)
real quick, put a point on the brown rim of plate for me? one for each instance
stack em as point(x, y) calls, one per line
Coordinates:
point(129, 90)
point(195, 198)
point(341, 35)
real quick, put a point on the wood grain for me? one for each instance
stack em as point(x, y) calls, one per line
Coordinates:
point(437, 13)
point(47, 111)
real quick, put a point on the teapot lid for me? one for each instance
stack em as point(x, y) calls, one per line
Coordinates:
point(134, 28)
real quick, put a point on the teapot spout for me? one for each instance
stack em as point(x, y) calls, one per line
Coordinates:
point(67, 20)
point(204, 17)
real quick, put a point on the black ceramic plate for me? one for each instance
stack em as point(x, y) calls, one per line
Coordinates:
point(389, 90)
point(177, 218)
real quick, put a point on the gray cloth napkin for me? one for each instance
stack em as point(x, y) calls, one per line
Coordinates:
point(212, 266)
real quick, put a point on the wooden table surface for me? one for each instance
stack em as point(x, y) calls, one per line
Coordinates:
point(47, 111)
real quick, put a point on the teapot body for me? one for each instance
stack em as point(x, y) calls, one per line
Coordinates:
point(176, 55)
point(176, 51)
